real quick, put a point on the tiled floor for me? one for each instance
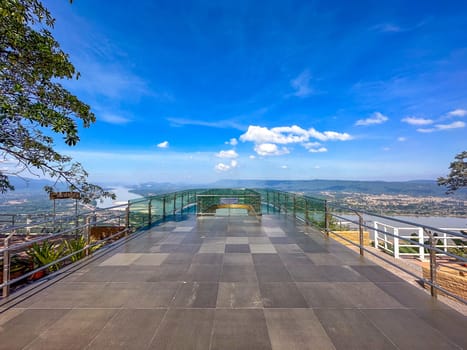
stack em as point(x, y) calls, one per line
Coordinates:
point(231, 283)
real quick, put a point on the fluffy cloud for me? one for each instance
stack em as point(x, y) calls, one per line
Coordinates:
point(227, 154)
point(458, 113)
point(441, 127)
point(164, 144)
point(266, 140)
point(226, 167)
point(289, 134)
point(314, 147)
point(301, 84)
point(233, 142)
point(402, 139)
point(270, 149)
point(376, 118)
point(417, 121)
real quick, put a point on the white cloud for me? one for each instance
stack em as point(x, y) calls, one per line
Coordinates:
point(113, 119)
point(284, 167)
point(289, 134)
point(301, 84)
point(329, 135)
point(227, 154)
point(376, 118)
point(270, 149)
point(458, 113)
point(441, 127)
point(222, 167)
point(417, 121)
point(386, 149)
point(233, 142)
point(226, 167)
point(252, 157)
point(164, 144)
point(387, 28)
point(318, 150)
point(402, 139)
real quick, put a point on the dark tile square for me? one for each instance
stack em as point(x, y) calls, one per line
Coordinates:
point(306, 272)
point(239, 295)
point(240, 329)
point(282, 240)
point(266, 259)
point(237, 248)
point(376, 274)
point(196, 295)
point(340, 273)
point(282, 295)
point(350, 329)
point(168, 273)
point(238, 273)
point(272, 273)
point(184, 329)
point(203, 273)
point(208, 258)
point(178, 258)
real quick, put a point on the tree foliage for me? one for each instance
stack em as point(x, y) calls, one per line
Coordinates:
point(34, 106)
point(457, 178)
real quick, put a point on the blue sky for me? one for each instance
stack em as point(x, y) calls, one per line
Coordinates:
point(199, 91)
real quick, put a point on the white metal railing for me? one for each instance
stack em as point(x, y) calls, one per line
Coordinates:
point(410, 241)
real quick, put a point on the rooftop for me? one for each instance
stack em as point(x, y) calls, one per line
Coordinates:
point(243, 282)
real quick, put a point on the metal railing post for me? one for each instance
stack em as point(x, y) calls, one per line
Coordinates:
point(6, 267)
point(360, 233)
point(421, 241)
point(175, 204)
point(163, 208)
point(294, 207)
point(326, 218)
point(396, 243)
point(307, 222)
point(127, 218)
point(87, 234)
point(433, 265)
point(150, 212)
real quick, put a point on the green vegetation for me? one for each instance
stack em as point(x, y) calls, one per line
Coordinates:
point(457, 178)
point(45, 253)
point(34, 104)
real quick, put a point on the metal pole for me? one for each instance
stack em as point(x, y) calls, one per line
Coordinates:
point(307, 222)
point(294, 206)
point(150, 212)
point(433, 265)
point(326, 218)
point(163, 208)
point(127, 218)
point(87, 234)
point(175, 204)
point(360, 233)
point(6, 268)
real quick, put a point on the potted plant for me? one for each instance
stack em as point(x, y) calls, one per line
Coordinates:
point(43, 254)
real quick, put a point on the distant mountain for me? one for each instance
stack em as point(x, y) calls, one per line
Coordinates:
point(412, 188)
point(29, 185)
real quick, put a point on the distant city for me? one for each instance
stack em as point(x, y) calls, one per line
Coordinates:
point(424, 198)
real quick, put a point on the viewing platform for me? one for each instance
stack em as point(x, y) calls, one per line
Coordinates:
point(230, 283)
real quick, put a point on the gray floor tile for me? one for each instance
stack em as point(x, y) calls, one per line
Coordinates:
point(152, 295)
point(324, 259)
point(272, 273)
point(208, 258)
point(410, 296)
point(296, 329)
point(306, 272)
point(266, 259)
point(448, 321)
point(376, 274)
point(237, 248)
point(178, 258)
point(240, 329)
point(324, 295)
point(168, 273)
point(350, 329)
point(75, 330)
point(239, 295)
point(203, 273)
point(282, 295)
point(342, 273)
point(288, 248)
point(184, 329)
point(148, 259)
point(238, 273)
point(408, 331)
point(26, 327)
point(129, 329)
point(196, 295)
point(238, 259)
